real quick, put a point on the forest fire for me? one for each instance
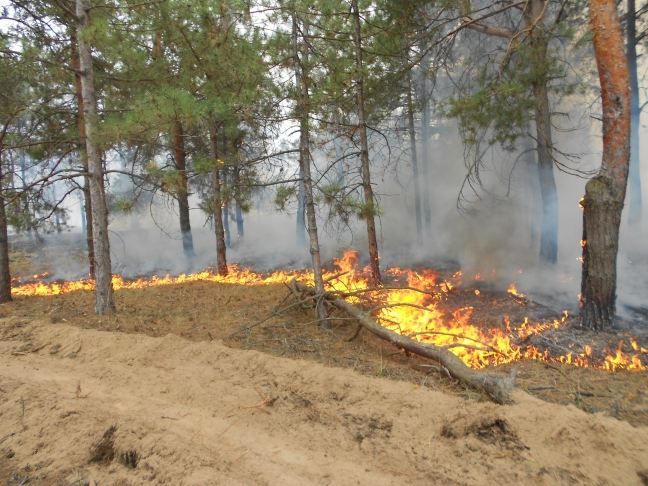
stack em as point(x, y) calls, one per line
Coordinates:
point(408, 304)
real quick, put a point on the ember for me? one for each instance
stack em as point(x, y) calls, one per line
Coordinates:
point(409, 305)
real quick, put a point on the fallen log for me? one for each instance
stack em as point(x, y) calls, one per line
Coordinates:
point(497, 386)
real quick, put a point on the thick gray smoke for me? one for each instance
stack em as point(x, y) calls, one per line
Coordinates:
point(493, 233)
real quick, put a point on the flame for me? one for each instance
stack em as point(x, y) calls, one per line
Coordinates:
point(512, 289)
point(410, 306)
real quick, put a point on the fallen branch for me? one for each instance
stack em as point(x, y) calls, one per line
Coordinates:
point(497, 386)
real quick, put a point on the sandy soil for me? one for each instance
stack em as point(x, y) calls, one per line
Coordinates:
point(203, 311)
point(202, 413)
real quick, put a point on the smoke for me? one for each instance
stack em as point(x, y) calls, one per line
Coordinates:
point(493, 234)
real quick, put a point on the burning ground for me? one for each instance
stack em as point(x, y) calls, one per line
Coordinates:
point(426, 305)
point(193, 410)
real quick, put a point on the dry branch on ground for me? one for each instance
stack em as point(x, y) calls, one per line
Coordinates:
point(497, 386)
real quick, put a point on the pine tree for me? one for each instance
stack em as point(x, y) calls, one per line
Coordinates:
point(104, 302)
point(605, 193)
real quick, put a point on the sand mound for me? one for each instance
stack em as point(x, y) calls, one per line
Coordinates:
point(80, 406)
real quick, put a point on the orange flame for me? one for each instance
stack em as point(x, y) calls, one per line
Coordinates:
point(411, 307)
point(512, 289)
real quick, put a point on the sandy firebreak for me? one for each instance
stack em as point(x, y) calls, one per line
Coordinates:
point(202, 413)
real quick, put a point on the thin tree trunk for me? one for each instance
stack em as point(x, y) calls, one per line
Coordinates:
point(548, 190)
point(531, 189)
point(83, 154)
point(303, 108)
point(182, 195)
point(635, 196)
point(221, 250)
point(240, 230)
point(425, 144)
point(226, 225)
point(369, 200)
point(238, 214)
point(104, 303)
point(26, 209)
point(605, 193)
point(300, 228)
point(225, 201)
point(5, 274)
point(415, 172)
point(534, 18)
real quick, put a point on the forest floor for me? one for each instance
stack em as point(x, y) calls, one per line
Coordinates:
point(196, 402)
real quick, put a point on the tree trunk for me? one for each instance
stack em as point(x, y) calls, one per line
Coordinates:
point(531, 189)
point(104, 303)
point(226, 225)
point(225, 201)
point(221, 250)
point(5, 274)
point(182, 194)
point(415, 174)
point(300, 228)
point(83, 154)
point(635, 196)
point(240, 230)
point(425, 144)
point(303, 109)
point(369, 200)
point(605, 193)
point(25, 206)
point(534, 18)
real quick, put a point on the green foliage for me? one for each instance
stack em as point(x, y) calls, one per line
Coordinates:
point(123, 204)
point(498, 104)
point(283, 195)
point(367, 210)
point(205, 165)
point(503, 107)
point(331, 192)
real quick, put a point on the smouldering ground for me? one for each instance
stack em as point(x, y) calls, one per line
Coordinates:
point(201, 311)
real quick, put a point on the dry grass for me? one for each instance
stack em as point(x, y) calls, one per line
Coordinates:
point(204, 311)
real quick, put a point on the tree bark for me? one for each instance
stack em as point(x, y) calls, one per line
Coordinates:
point(635, 196)
point(605, 193)
point(303, 109)
point(369, 199)
point(498, 387)
point(104, 302)
point(182, 194)
point(534, 19)
point(83, 154)
point(221, 249)
point(5, 273)
point(415, 171)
